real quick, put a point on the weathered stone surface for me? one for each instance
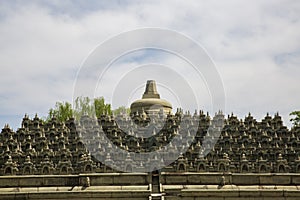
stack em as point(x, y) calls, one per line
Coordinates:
point(42, 149)
point(275, 179)
point(245, 179)
point(150, 102)
point(251, 159)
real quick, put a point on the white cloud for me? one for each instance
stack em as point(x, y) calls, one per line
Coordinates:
point(255, 46)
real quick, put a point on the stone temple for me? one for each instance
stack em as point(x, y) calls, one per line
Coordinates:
point(151, 102)
point(251, 159)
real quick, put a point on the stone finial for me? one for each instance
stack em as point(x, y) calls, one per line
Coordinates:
point(244, 157)
point(27, 159)
point(151, 91)
point(46, 158)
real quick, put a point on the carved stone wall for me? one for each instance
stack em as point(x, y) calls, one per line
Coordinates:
point(244, 145)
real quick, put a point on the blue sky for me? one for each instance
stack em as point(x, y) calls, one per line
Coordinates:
point(255, 46)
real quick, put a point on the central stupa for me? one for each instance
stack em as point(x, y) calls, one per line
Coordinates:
point(150, 102)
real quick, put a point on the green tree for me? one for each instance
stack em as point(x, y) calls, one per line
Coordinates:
point(101, 108)
point(91, 107)
point(296, 119)
point(62, 111)
point(121, 110)
point(84, 106)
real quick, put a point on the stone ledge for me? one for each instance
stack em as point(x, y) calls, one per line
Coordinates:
point(76, 194)
point(73, 180)
point(232, 191)
point(230, 178)
point(75, 189)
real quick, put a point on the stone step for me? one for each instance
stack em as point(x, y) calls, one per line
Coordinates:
point(156, 196)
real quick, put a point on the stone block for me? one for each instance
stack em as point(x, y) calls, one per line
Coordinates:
point(242, 198)
point(187, 198)
point(212, 179)
point(54, 181)
point(296, 179)
point(11, 197)
point(72, 181)
point(291, 198)
point(194, 179)
point(245, 179)
point(274, 179)
point(209, 198)
point(271, 193)
point(102, 180)
point(249, 193)
point(292, 193)
point(210, 193)
point(9, 182)
point(30, 181)
point(173, 198)
point(282, 179)
point(127, 179)
point(272, 198)
point(176, 179)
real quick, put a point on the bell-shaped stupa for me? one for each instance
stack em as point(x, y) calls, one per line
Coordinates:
point(150, 102)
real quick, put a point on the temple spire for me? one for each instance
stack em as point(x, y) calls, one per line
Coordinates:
point(151, 103)
point(151, 91)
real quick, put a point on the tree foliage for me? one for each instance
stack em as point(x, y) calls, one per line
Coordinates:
point(62, 111)
point(91, 107)
point(101, 108)
point(83, 106)
point(296, 119)
point(121, 110)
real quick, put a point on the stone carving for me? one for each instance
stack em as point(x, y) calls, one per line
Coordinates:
point(150, 102)
point(244, 146)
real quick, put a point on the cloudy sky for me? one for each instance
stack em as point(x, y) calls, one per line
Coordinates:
point(255, 47)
